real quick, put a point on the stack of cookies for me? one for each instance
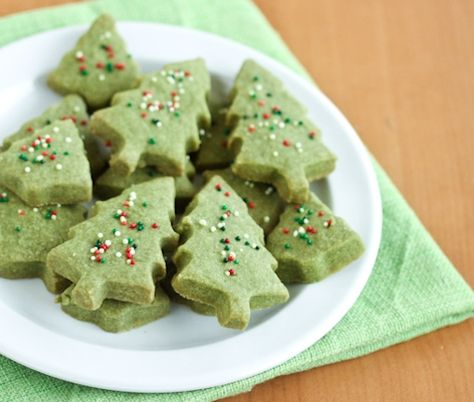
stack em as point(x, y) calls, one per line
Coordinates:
point(245, 232)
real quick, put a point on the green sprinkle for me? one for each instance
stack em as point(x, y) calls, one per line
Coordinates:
point(129, 104)
point(300, 123)
point(18, 229)
point(236, 262)
point(144, 204)
point(103, 260)
point(287, 246)
point(151, 141)
point(48, 122)
point(177, 114)
point(247, 243)
point(225, 259)
point(269, 94)
point(84, 72)
point(309, 242)
point(237, 238)
point(222, 241)
point(109, 67)
point(224, 207)
point(66, 153)
point(226, 247)
point(255, 78)
point(23, 157)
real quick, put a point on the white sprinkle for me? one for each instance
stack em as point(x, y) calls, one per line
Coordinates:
point(213, 229)
point(100, 235)
point(101, 251)
point(227, 273)
point(236, 213)
point(68, 140)
point(298, 145)
point(108, 243)
point(125, 241)
point(79, 54)
point(35, 209)
point(220, 225)
point(154, 79)
point(118, 254)
point(59, 166)
point(269, 190)
point(133, 195)
point(56, 129)
point(118, 233)
point(54, 217)
point(258, 87)
point(101, 77)
point(93, 250)
point(301, 229)
point(202, 132)
point(266, 219)
point(306, 221)
point(27, 169)
point(281, 124)
point(92, 258)
point(202, 222)
point(246, 236)
point(77, 108)
point(275, 153)
point(31, 149)
point(295, 233)
point(223, 253)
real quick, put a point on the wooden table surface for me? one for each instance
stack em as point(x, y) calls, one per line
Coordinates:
point(403, 73)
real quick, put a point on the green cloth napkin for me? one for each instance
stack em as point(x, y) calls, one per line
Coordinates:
point(413, 290)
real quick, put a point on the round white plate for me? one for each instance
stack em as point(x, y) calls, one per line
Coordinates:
point(183, 351)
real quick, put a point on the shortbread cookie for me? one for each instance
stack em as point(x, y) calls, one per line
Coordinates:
point(110, 184)
point(73, 108)
point(117, 316)
point(98, 67)
point(223, 262)
point(310, 243)
point(27, 234)
point(48, 167)
point(273, 140)
point(263, 202)
point(158, 123)
point(117, 254)
point(214, 152)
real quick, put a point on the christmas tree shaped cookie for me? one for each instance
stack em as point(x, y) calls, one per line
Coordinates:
point(48, 167)
point(111, 184)
point(73, 108)
point(98, 66)
point(223, 262)
point(310, 243)
point(274, 141)
point(214, 152)
point(157, 124)
point(116, 316)
point(263, 202)
point(117, 254)
point(27, 234)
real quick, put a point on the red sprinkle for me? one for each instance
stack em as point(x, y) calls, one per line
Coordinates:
point(261, 102)
point(23, 147)
point(29, 129)
point(312, 134)
point(227, 241)
point(231, 272)
point(286, 143)
point(266, 116)
point(227, 193)
point(133, 226)
point(52, 157)
point(108, 143)
point(218, 187)
point(321, 213)
point(311, 230)
point(99, 65)
point(143, 114)
point(84, 122)
point(251, 205)
point(119, 66)
point(230, 258)
point(285, 230)
point(187, 73)
point(154, 226)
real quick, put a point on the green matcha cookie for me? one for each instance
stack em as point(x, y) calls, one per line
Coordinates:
point(272, 138)
point(197, 307)
point(310, 243)
point(48, 167)
point(222, 262)
point(263, 202)
point(71, 107)
point(157, 124)
point(116, 316)
point(27, 234)
point(111, 184)
point(98, 67)
point(117, 254)
point(214, 152)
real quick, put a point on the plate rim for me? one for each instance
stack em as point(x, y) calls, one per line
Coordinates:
point(306, 341)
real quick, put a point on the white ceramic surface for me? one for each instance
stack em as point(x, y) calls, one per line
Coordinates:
point(183, 351)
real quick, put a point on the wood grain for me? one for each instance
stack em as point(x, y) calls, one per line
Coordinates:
point(403, 73)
